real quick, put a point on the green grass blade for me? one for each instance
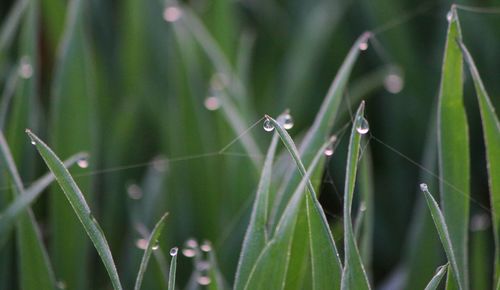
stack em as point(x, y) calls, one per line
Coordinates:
point(271, 267)
point(7, 94)
point(436, 279)
point(10, 25)
point(444, 235)
point(321, 127)
point(80, 207)
point(453, 146)
point(366, 185)
point(24, 201)
point(491, 132)
point(354, 275)
point(173, 267)
point(152, 242)
point(256, 236)
point(325, 263)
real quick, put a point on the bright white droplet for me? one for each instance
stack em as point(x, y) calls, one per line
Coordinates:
point(212, 103)
point(172, 13)
point(363, 45)
point(174, 251)
point(141, 244)
point(33, 142)
point(191, 243)
point(204, 280)
point(25, 68)
point(82, 162)
point(61, 284)
point(188, 252)
point(134, 191)
point(155, 246)
point(393, 83)
point(423, 187)
point(362, 206)
point(362, 125)
point(329, 150)
point(268, 125)
point(287, 121)
point(206, 246)
point(449, 16)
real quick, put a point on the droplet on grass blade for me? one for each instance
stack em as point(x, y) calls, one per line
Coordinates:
point(423, 187)
point(172, 13)
point(174, 251)
point(329, 150)
point(479, 222)
point(141, 244)
point(83, 162)
point(155, 246)
point(449, 16)
point(61, 285)
point(268, 125)
point(25, 68)
point(204, 280)
point(134, 191)
point(287, 121)
point(190, 248)
point(363, 45)
point(362, 126)
point(212, 103)
point(393, 83)
point(206, 246)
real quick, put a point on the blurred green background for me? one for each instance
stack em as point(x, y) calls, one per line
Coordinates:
point(128, 82)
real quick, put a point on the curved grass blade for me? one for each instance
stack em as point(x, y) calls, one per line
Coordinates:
point(325, 262)
point(256, 235)
point(453, 146)
point(152, 242)
point(354, 275)
point(7, 94)
point(80, 207)
point(367, 209)
point(436, 279)
point(270, 269)
point(23, 201)
point(173, 268)
point(491, 133)
point(34, 265)
point(444, 234)
point(10, 25)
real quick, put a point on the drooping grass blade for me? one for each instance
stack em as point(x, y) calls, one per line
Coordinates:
point(256, 235)
point(353, 275)
point(80, 207)
point(491, 133)
point(152, 243)
point(444, 234)
point(173, 268)
point(436, 279)
point(453, 148)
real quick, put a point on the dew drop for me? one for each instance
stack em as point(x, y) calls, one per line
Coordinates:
point(329, 150)
point(423, 187)
point(191, 243)
point(204, 280)
point(33, 142)
point(141, 244)
point(362, 125)
point(479, 222)
point(268, 125)
point(25, 68)
point(155, 246)
point(160, 163)
point(134, 191)
point(188, 252)
point(363, 45)
point(449, 16)
point(61, 284)
point(212, 103)
point(362, 206)
point(287, 121)
point(174, 251)
point(206, 246)
point(83, 162)
point(393, 83)
point(190, 248)
point(172, 13)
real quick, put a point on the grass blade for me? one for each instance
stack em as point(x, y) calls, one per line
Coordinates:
point(23, 201)
point(325, 262)
point(453, 146)
point(436, 279)
point(444, 235)
point(256, 235)
point(173, 267)
point(491, 133)
point(10, 25)
point(152, 242)
point(354, 275)
point(80, 207)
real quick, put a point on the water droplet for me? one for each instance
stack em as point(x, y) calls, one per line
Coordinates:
point(141, 244)
point(172, 13)
point(188, 252)
point(423, 187)
point(479, 222)
point(449, 16)
point(174, 251)
point(212, 103)
point(363, 45)
point(206, 246)
point(393, 83)
point(192, 243)
point(203, 280)
point(61, 284)
point(287, 121)
point(202, 265)
point(268, 125)
point(25, 68)
point(83, 162)
point(33, 142)
point(329, 150)
point(156, 245)
point(362, 206)
point(134, 191)
point(362, 125)
point(160, 163)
